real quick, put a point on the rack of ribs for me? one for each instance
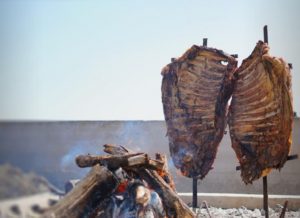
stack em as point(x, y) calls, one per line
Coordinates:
point(195, 91)
point(261, 114)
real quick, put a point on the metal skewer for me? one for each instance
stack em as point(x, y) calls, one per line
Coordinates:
point(195, 179)
point(265, 178)
point(195, 192)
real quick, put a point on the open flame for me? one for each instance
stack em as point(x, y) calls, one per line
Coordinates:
point(122, 187)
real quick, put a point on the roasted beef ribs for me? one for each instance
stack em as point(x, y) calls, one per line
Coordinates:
point(261, 114)
point(195, 92)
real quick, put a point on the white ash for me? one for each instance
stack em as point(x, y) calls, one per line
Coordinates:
point(244, 212)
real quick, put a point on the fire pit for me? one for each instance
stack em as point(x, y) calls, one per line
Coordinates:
point(123, 184)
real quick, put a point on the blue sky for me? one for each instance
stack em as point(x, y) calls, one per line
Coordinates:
point(101, 60)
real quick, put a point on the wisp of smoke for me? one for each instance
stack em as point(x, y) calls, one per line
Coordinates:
point(67, 162)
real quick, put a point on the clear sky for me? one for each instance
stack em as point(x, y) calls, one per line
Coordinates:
point(101, 60)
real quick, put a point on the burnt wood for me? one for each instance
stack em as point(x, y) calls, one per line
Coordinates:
point(174, 206)
point(115, 161)
point(165, 174)
point(81, 201)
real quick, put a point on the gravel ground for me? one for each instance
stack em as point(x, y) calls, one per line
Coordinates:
point(244, 212)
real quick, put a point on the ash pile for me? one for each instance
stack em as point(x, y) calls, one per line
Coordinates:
point(122, 184)
point(246, 213)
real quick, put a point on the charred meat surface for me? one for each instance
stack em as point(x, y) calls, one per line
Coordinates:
point(261, 114)
point(195, 91)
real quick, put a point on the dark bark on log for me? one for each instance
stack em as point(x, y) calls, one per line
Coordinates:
point(110, 161)
point(113, 162)
point(98, 185)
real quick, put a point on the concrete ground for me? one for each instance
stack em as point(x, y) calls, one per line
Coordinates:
point(250, 201)
point(220, 205)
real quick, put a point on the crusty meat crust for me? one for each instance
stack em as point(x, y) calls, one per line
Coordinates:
point(195, 91)
point(261, 114)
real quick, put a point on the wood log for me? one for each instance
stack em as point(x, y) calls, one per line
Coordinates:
point(81, 201)
point(174, 206)
point(120, 160)
point(110, 161)
point(116, 149)
point(165, 174)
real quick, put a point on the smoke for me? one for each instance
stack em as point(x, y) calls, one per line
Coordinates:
point(67, 163)
point(176, 173)
point(138, 136)
point(132, 135)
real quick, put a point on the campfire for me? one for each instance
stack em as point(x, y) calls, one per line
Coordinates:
point(122, 183)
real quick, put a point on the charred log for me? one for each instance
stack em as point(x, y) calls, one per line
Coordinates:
point(81, 201)
point(175, 207)
point(164, 173)
point(113, 162)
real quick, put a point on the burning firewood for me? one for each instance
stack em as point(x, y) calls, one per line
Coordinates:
point(165, 174)
point(174, 206)
point(160, 164)
point(97, 195)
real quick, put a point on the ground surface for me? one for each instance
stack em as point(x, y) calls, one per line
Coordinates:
point(244, 212)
